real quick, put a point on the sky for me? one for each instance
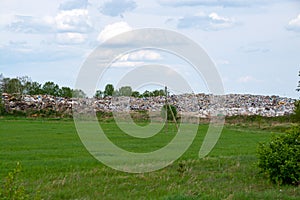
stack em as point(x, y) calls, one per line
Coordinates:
point(255, 44)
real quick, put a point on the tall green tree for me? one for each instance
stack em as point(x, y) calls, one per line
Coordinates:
point(14, 85)
point(2, 107)
point(51, 88)
point(99, 94)
point(135, 94)
point(147, 94)
point(157, 93)
point(66, 92)
point(1, 80)
point(34, 88)
point(298, 89)
point(296, 115)
point(125, 91)
point(109, 90)
point(25, 82)
point(4, 84)
point(77, 93)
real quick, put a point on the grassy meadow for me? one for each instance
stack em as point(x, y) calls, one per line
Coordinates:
point(55, 164)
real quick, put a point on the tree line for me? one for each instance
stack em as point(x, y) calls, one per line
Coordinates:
point(127, 91)
point(25, 86)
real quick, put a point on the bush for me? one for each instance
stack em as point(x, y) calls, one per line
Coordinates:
point(2, 106)
point(280, 158)
point(296, 114)
point(171, 112)
point(12, 188)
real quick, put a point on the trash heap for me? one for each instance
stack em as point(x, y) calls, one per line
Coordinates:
point(27, 103)
point(198, 105)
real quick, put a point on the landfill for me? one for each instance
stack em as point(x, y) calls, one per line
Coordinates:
point(199, 105)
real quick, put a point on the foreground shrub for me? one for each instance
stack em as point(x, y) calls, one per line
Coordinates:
point(12, 189)
point(280, 158)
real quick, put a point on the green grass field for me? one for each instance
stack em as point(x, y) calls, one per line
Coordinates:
point(57, 166)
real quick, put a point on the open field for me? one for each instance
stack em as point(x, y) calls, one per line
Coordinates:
point(57, 166)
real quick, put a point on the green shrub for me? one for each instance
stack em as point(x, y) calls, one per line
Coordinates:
point(296, 114)
point(12, 188)
point(280, 158)
point(171, 112)
point(2, 107)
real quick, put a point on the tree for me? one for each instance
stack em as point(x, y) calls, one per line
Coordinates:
point(147, 94)
point(13, 86)
point(157, 93)
point(296, 115)
point(298, 89)
point(125, 91)
point(77, 93)
point(51, 88)
point(4, 84)
point(1, 81)
point(98, 94)
point(135, 94)
point(34, 88)
point(2, 107)
point(66, 92)
point(25, 83)
point(109, 90)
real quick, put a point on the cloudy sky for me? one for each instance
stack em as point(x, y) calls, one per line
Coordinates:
point(255, 44)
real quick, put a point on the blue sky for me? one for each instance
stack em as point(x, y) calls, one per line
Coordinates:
point(254, 44)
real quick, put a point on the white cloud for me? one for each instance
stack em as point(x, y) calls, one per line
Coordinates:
point(112, 30)
point(217, 22)
point(68, 25)
point(294, 24)
point(126, 64)
point(142, 55)
point(72, 22)
point(137, 58)
point(29, 24)
point(211, 22)
point(76, 20)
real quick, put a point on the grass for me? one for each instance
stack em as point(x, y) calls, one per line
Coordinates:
point(57, 166)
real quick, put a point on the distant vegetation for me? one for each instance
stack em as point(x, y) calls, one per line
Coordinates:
point(24, 85)
point(127, 91)
point(298, 88)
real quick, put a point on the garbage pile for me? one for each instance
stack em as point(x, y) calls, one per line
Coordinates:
point(199, 105)
point(24, 103)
